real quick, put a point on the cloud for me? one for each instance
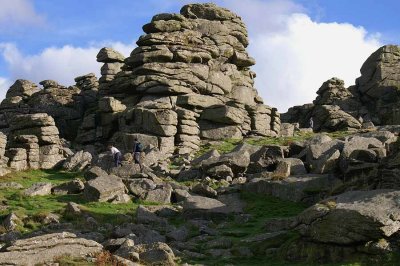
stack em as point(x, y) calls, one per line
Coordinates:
point(4, 86)
point(62, 64)
point(295, 54)
point(19, 12)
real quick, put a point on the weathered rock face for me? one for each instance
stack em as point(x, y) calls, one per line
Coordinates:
point(189, 79)
point(379, 85)
point(365, 218)
point(375, 97)
point(335, 108)
point(33, 142)
point(47, 248)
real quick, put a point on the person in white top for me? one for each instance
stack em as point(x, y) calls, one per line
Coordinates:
point(117, 155)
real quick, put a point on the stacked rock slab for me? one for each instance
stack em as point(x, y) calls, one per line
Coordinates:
point(65, 104)
point(191, 80)
point(33, 142)
point(89, 86)
point(375, 97)
point(88, 131)
point(113, 62)
point(3, 158)
point(16, 101)
point(335, 108)
point(379, 85)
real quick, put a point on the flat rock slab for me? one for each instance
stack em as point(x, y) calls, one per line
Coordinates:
point(39, 189)
point(104, 188)
point(47, 248)
point(363, 216)
point(208, 208)
point(306, 188)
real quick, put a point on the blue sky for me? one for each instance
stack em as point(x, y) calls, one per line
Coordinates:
point(297, 44)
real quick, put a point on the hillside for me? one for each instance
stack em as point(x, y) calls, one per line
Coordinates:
point(225, 180)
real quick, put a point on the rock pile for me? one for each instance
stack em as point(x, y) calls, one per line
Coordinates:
point(113, 62)
point(16, 101)
point(191, 80)
point(373, 100)
point(33, 142)
point(335, 108)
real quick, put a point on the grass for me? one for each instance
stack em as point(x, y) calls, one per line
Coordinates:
point(261, 208)
point(31, 209)
point(228, 145)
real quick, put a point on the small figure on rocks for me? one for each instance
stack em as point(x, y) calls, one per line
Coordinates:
point(311, 123)
point(117, 155)
point(137, 153)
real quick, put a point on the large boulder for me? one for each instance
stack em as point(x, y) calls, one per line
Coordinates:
point(366, 219)
point(78, 162)
point(104, 188)
point(379, 85)
point(47, 248)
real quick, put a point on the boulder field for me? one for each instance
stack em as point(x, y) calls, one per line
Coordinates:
point(223, 180)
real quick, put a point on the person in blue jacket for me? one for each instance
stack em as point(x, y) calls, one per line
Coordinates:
point(137, 153)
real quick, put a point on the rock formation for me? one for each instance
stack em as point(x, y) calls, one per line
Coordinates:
point(374, 98)
point(189, 79)
point(33, 142)
point(189, 83)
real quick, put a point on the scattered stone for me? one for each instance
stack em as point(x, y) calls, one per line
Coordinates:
point(38, 189)
point(75, 186)
point(78, 162)
point(103, 188)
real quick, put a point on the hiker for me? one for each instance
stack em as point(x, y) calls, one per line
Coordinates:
point(311, 123)
point(117, 155)
point(137, 152)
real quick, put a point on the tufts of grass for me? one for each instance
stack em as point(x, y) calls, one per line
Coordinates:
point(228, 145)
point(32, 209)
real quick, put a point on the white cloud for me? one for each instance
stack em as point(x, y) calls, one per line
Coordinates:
point(4, 86)
point(61, 64)
point(295, 54)
point(19, 12)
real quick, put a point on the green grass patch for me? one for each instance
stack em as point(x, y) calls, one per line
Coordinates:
point(228, 145)
point(31, 209)
point(28, 178)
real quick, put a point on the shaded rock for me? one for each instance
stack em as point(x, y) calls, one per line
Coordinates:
point(307, 188)
point(73, 187)
point(204, 190)
point(94, 172)
point(78, 161)
point(364, 216)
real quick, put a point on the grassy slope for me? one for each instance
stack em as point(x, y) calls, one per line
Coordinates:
point(261, 208)
point(32, 208)
point(229, 144)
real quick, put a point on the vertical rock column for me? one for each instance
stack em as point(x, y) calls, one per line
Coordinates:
point(15, 102)
point(187, 139)
point(89, 130)
point(89, 86)
point(34, 142)
point(113, 62)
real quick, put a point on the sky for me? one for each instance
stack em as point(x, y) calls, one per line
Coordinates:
point(297, 44)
